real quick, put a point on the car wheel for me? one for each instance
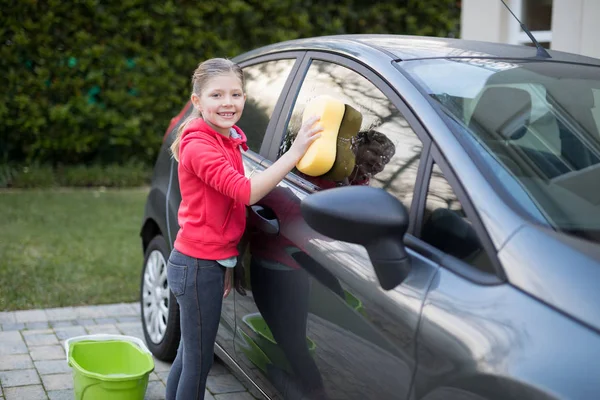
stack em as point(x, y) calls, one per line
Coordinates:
point(160, 312)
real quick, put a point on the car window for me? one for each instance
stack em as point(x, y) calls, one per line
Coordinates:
point(264, 83)
point(446, 226)
point(536, 130)
point(537, 121)
point(385, 152)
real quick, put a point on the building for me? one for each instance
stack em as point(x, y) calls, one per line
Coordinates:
point(566, 25)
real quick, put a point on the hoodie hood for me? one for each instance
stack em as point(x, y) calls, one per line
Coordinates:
point(198, 128)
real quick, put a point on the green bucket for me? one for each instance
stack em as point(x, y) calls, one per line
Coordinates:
point(109, 367)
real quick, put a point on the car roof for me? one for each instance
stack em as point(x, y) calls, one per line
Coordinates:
point(403, 48)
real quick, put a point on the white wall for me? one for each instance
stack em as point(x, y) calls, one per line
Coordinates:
point(482, 20)
point(575, 24)
point(590, 31)
point(567, 16)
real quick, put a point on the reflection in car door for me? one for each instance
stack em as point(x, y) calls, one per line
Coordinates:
point(315, 322)
point(481, 338)
point(265, 79)
point(226, 330)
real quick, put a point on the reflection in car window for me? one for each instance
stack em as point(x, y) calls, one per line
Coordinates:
point(264, 83)
point(386, 149)
point(539, 120)
point(446, 227)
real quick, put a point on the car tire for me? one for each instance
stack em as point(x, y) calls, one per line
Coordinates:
point(159, 308)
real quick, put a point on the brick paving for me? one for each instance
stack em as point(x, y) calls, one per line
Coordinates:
point(32, 358)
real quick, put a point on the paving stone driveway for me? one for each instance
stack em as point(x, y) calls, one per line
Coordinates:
point(32, 357)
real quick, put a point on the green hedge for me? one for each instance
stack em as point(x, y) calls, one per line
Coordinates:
point(43, 176)
point(96, 82)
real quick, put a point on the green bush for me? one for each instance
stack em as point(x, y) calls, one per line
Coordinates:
point(44, 176)
point(32, 177)
point(132, 174)
point(96, 82)
point(7, 174)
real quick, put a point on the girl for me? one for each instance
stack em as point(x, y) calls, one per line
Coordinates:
point(212, 214)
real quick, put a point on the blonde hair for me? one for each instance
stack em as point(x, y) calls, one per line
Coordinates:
point(205, 71)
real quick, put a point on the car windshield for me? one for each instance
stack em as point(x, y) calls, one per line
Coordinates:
point(536, 124)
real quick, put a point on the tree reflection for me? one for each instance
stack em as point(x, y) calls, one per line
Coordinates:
point(264, 83)
point(386, 149)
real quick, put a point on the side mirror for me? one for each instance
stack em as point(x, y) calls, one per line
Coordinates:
point(367, 216)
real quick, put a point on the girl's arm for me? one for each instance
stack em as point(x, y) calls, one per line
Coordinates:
point(261, 184)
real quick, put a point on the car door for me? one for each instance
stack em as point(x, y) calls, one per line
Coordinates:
point(472, 319)
point(481, 337)
point(265, 79)
point(315, 322)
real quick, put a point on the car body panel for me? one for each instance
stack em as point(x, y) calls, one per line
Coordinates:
point(245, 61)
point(402, 47)
point(327, 293)
point(499, 220)
point(252, 162)
point(406, 299)
point(496, 342)
point(414, 47)
point(162, 204)
point(560, 271)
point(528, 331)
point(421, 113)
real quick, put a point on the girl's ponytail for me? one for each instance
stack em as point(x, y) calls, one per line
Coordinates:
point(175, 145)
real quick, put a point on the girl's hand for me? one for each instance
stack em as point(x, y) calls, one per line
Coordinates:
point(261, 184)
point(308, 133)
point(228, 281)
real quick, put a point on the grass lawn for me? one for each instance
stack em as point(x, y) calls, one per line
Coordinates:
point(68, 247)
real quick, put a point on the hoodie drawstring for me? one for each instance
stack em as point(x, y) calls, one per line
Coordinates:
point(227, 155)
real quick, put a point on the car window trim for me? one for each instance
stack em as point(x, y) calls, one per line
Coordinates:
point(414, 243)
point(421, 186)
point(472, 151)
point(286, 109)
point(445, 260)
point(298, 56)
point(297, 181)
point(358, 67)
point(451, 263)
point(379, 83)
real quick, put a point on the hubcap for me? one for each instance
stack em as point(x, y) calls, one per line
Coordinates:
point(155, 298)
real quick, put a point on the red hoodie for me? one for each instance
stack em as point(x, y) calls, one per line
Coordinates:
point(214, 192)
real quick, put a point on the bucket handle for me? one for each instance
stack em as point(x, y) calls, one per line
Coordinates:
point(105, 337)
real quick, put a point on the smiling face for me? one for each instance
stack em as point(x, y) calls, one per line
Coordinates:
point(221, 102)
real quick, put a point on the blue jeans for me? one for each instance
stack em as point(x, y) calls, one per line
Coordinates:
point(198, 286)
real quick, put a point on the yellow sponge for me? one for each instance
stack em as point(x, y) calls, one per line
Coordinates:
point(320, 156)
point(345, 159)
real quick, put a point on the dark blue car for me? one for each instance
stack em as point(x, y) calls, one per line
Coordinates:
point(457, 258)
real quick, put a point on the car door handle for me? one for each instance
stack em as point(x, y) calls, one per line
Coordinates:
point(264, 219)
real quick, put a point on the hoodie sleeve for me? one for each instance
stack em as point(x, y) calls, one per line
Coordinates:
point(208, 163)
